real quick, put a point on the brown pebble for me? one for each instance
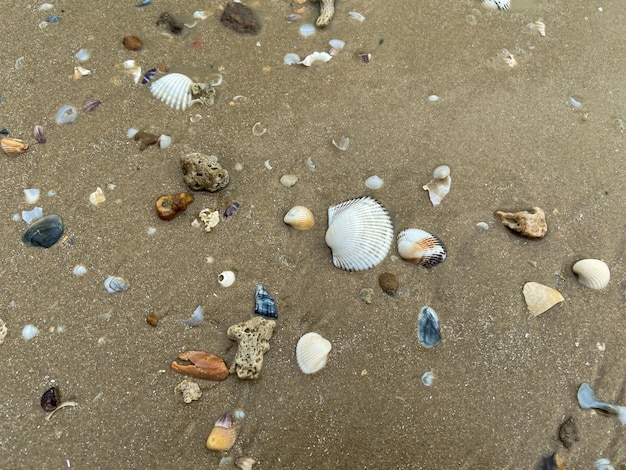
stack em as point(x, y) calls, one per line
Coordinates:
point(169, 205)
point(132, 43)
point(146, 139)
point(388, 283)
point(152, 319)
point(568, 432)
point(240, 18)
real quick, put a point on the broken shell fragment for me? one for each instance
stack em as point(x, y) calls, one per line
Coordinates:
point(203, 365)
point(50, 399)
point(529, 224)
point(209, 218)
point(587, 400)
point(169, 205)
point(244, 463)
point(223, 435)
point(312, 352)
point(420, 247)
point(264, 303)
point(115, 284)
point(226, 278)
point(38, 134)
point(388, 283)
point(3, 331)
point(428, 332)
point(300, 218)
point(13, 147)
point(316, 57)
point(288, 180)
point(540, 298)
point(97, 197)
point(438, 189)
point(190, 390)
point(44, 232)
point(592, 273)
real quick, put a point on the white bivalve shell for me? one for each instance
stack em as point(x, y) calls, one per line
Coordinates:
point(300, 217)
point(312, 352)
point(592, 273)
point(420, 247)
point(174, 90)
point(226, 278)
point(359, 233)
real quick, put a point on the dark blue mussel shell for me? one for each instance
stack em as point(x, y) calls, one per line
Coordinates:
point(44, 232)
point(149, 75)
point(264, 304)
point(428, 328)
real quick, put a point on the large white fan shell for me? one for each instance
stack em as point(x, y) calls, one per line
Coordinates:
point(174, 90)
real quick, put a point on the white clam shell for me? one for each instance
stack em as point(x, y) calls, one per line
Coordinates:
point(300, 217)
point(360, 233)
point(592, 273)
point(312, 352)
point(226, 278)
point(174, 90)
point(420, 247)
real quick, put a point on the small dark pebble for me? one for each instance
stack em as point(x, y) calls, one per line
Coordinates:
point(240, 18)
point(91, 105)
point(388, 283)
point(568, 432)
point(149, 75)
point(167, 21)
point(5, 131)
point(152, 319)
point(230, 210)
point(146, 139)
point(50, 399)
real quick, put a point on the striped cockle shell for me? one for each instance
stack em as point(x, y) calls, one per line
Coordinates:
point(359, 233)
point(420, 247)
point(312, 352)
point(174, 90)
point(13, 147)
point(300, 217)
point(592, 273)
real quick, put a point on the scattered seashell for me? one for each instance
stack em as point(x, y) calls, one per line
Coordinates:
point(300, 217)
point(291, 59)
point(164, 141)
point(209, 218)
point(149, 75)
point(44, 232)
point(97, 197)
point(173, 90)
point(29, 332)
point(258, 130)
point(441, 172)
point(337, 44)
point(115, 284)
point(61, 405)
point(226, 278)
point(592, 273)
point(3, 330)
point(201, 14)
point(39, 135)
point(34, 214)
point(374, 182)
point(312, 352)
point(483, 225)
point(80, 72)
point(91, 105)
point(244, 463)
point(267, 165)
point(50, 399)
point(203, 366)
point(132, 43)
point(143, 3)
point(196, 318)
point(13, 147)
point(264, 303)
point(433, 98)
point(223, 435)
point(540, 298)
point(568, 432)
point(231, 210)
point(538, 25)
point(315, 57)
point(366, 295)
point(587, 400)
point(190, 390)
point(79, 270)
point(420, 247)
point(603, 464)
point(167, 206)
point(307, 30)
point(82, 55)
point(428, 328)
point(388, 283)
point(530, 224)
point(288, 180)
point(310, 164)
point(66, 115)
point(31, 196)
point(359, 233)
point(355, 15)
point(342, 143)
point(574, 103)
point(131, 133)
point(365, 57)
point(437, 189)
point(497, 4)
point(428, 378)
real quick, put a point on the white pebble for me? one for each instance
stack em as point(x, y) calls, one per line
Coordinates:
point(132, 132)
point(82, 55)
point(16, 218)
point(374, 182)
point(151, 230)
point(164, 141)
point(29, 332)
point(433, 98)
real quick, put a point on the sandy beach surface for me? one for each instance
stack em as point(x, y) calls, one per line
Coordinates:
point(504, 380)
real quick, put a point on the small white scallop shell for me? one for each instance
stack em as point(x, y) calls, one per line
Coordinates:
point(592, 273)
point(420, 247)
point(312, 352)
point(360, 233)
point(300, 217)
point(174, 90)
point(226, 278)
point(114, 284)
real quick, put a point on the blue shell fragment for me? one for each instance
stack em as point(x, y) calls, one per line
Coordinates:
point(53, 19)
point(230, 210)
point(143, 3)
point(149, 75)
point(264, 304)
point(5, 131)
point(428, 332)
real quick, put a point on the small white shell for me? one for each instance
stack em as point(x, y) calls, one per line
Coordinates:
point(438, 188)
point(201, 14)
point(316, 57)
point(131, 67)
point(174, 90)
point(226, 278)
point(497, 4)
point(97, 197)
point(420, 247)
point(312, 352)
point(31, 195)
point(291, 59)
point(288, 180)
point(441, 172)
point(592, 273)
point(374, 182)
point(114, 284)
point(359, 233)
point(164, 141)
point(79, 270)
point(300, 217)
point(29, 332)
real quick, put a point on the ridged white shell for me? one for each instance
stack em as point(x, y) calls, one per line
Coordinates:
point(359, 233)
point(173, 90)
point(592, 273)
point(300, 217)
point(420, 247)
point(312, 352)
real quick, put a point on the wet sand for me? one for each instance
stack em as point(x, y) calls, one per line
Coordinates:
point(504, 381)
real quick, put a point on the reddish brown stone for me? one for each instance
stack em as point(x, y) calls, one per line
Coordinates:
point(132, 43)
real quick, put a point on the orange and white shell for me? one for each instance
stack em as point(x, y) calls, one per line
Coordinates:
point(13, 147)
point(592, 273)
point(420, 247)
point(312, 352)
point(300, 217)
point(223, 435)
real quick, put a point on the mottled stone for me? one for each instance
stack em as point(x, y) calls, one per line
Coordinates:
point(253, 338)
point(203, 172)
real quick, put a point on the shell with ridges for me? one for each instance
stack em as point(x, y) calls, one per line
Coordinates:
point(420, 247)
point(300, 217)
point(592, 273)
point(13, 147)
point(223, 434)
point(312, 352)
point(173, 90)
point(360, 233)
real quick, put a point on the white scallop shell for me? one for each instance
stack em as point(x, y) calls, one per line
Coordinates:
point(497, 4)
point(174, 90)
point(592, 273)
point(420, 247)
point(226, 278)
point(312, 352)
point(300, 217)
point(359, 233)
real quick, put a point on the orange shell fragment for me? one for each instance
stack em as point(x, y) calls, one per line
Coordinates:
point(203, 365)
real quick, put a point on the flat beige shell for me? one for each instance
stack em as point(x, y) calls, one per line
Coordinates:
point(420, 247)
point(540, 298)
point(97, 197)
point(174, 90)
point(300, 217)
point(437, 189)
point(360, 233)
point(312, 352)
point(592, 273)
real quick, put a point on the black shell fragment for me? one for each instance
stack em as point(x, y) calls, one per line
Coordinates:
point(264, 304)
point(50, 399)
point(428, 328)
point(44, 232)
